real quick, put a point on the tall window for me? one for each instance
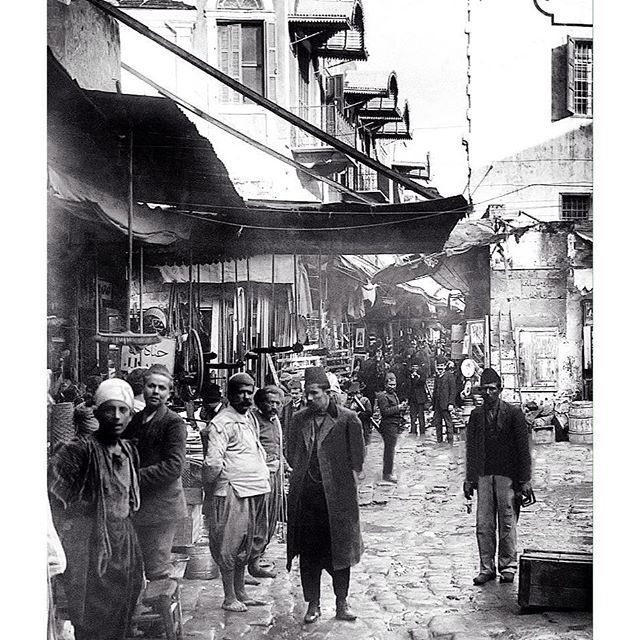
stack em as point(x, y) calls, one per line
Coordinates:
point(580, 77)
point(241, 56)
point(576, 206)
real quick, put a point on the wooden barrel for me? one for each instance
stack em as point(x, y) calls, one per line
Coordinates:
point(201, 565)
point(581, 422)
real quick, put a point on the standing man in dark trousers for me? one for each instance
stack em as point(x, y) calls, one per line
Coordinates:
point(372, 374)
point(499, 468)
point(391, 412)
point(326, 451)
point(160, 437)
point(295, 404)
point(444, 397)
point(417, 399)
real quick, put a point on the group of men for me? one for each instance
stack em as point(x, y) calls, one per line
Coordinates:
point(117, 495)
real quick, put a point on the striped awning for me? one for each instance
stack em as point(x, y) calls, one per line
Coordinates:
point(395, 129)
point(360, 82)
point(346, 44)
point(329, 12)
point(381, 109)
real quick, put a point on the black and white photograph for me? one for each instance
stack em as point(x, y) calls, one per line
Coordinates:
point(320, 320)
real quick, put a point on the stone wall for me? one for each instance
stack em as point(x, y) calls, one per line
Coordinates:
point(86, 42)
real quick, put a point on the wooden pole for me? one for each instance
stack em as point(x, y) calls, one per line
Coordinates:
point(260, 100)
point(245, 138)
point(141, 283)
point(130, 232)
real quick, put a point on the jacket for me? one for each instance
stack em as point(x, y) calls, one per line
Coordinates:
point(389, 410)
point(161, 445)
point(512, 429)
point(341, 451)
point(444, 391)
point(417, 393)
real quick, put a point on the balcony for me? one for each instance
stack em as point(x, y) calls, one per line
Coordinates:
point(327, 117)
point(369, 181)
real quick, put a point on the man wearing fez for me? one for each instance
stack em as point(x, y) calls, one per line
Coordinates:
point(499, 468)
point(236, 479)
point(93, 489)
point(326, 451)
point(160, 437)
point(356, 401)
point(268, 403)
point(444, 397)
point(391, 415)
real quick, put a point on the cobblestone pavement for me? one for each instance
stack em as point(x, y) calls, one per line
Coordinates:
point(414, 580)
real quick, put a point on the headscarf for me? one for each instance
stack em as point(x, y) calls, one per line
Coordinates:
point(114, 389)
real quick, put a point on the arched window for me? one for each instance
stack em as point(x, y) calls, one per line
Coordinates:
point(239, 4)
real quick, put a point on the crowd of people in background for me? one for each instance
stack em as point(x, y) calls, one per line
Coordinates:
point(121, 476)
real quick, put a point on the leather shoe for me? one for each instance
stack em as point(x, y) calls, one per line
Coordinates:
point(390, 478)
point(343, 611)
point(483, 578)
point(313, 612)
point(507, 576)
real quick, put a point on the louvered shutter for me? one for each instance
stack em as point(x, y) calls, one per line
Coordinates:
point(229, 59)
point(272, 61)
point(571, 74)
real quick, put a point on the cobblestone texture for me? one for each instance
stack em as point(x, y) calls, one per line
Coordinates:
point(414, 580)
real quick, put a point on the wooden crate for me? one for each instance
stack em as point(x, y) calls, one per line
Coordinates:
point(556, 580)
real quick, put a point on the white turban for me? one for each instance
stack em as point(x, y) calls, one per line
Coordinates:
point(114, 389)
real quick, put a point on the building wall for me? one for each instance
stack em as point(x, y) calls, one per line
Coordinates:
point(517, 75)
point(86, 42)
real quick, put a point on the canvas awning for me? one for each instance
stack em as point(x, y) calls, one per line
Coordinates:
point(380, 108)
point(328, 12)
point(346, 44)
point(361, 82)
point(395, 129)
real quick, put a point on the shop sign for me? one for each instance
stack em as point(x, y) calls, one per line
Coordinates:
point(162, 353)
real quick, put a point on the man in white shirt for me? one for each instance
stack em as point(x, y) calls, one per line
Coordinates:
point(236, 478)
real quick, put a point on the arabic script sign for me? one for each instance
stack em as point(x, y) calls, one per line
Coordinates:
point(162, 353)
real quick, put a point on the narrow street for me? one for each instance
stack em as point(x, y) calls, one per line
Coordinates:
point(414, 580)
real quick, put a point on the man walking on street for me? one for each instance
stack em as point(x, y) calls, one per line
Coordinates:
point(444, 397)
point(499, 468)
point(326, 452)
point(417, 399)
point(295, 391)
point(160, 437)
point(361, 405)
point(391, 412)
point(372, 374)
point(236, 478)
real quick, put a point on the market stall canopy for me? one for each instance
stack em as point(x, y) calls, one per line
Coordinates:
point(89, 133)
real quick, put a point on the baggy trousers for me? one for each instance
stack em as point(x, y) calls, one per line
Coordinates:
point(438, 416)
point(496, 501)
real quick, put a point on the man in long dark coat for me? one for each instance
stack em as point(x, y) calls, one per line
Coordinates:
point(326, 451)
point(93, 489)
point(444, 398)
point(160, 437)
point(417, 397)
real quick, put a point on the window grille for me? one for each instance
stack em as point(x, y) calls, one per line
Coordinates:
point(583, 88)
point(576, 206)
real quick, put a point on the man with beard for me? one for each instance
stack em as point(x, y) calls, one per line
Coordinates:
point(268, 403)
point(236, 478)
point(499, 468)
point(93, 489)
point(326, 451)
point(160, 438)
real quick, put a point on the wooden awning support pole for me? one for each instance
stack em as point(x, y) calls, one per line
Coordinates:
point(269, 105)
point(245, 138)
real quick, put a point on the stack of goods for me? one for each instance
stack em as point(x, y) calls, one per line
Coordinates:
point(541, 422)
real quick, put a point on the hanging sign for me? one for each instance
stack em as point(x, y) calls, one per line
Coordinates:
point(162, 353)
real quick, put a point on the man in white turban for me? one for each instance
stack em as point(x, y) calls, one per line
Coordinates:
point(93, 490)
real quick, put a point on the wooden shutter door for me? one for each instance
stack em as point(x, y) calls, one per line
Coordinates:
point(538, 356)
point(229, 59)
point(571, 74)
point(272, 62)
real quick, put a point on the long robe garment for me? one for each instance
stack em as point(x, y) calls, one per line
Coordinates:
point(341, 451)
point(91, 502)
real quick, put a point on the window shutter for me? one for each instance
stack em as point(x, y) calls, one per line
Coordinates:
point(235, 67)
point(229, 58)
point(335, 91)
point(571, 74)
point(272, 61)
point(538, 358)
